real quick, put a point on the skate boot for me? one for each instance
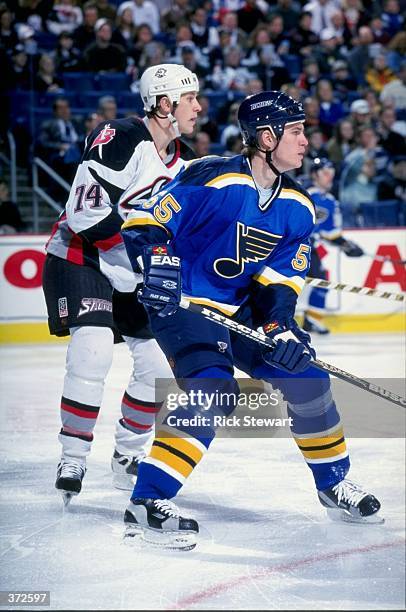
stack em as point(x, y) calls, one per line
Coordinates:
point(314, 326)
point(125, 470)
point(69, 478)
point(346, 501)
point(158, 523)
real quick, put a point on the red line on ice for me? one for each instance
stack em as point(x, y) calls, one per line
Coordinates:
point(266, 572)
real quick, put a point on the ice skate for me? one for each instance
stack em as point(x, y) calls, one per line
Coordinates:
point(348, 502)
point(125, 470)
point(314, 326)
point(157, 522)
point(69, 478)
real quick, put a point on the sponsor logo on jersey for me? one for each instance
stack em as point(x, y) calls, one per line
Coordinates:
point(106, 135)
point(252, 245)
point(94, 305)
point(63, 307)
point(165, 260)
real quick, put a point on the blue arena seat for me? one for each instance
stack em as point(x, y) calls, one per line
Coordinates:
point(78, 81)
point(385, 213)
point(293, 65)
point(116, 82)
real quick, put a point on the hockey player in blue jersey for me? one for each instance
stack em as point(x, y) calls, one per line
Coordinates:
point(233, 234)
point(329, 229)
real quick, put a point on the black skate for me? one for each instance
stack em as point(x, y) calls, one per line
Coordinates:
point(346, 501)
point(158, 523)
point(125, 470)
point(69, 478)
point(314, 326)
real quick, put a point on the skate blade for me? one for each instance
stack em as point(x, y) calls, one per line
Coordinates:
point(67, 497)
point(124, 482)
point(339, 515)
point(168, 540)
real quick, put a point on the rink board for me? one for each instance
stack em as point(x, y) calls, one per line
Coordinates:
point(23, 316)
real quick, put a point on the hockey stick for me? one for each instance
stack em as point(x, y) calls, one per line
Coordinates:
point(263, 339)
point(385, 258)
point(386, 295)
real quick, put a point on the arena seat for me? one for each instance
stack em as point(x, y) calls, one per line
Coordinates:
point(381, 214)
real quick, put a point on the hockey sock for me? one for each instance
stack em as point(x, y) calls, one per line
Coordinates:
point(183, 439)
point(316, 425)
point(88, 361)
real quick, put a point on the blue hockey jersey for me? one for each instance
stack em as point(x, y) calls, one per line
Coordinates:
point(328, 215)
point(212, 216)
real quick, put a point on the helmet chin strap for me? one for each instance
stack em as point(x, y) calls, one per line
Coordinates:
point(268, 158)
point(174, 124)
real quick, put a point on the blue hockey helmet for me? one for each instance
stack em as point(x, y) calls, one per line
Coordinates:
point(268, 109)
point(319, 163)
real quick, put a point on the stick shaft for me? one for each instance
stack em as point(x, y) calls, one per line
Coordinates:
point(356, 290)
point(263, 339)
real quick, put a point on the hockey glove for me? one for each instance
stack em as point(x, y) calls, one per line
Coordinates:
point(162, 279)
point(351, 249)
point(292, 352)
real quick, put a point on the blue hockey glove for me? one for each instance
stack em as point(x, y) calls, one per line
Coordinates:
point(292, 352)
point(162, 286)
point(351, 249)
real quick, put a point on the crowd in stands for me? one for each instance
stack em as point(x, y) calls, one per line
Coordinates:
point(68, 64)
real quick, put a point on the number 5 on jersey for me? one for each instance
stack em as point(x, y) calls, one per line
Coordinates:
point(301, 261)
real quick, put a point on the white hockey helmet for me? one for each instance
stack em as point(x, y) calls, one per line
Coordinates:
point(170, 80)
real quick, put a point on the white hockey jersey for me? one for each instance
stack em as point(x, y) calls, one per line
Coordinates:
point(119, 166)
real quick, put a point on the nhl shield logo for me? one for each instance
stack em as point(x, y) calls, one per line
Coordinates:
point(222, 346)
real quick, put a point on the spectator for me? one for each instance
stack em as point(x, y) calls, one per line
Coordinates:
point(362, 188)
point(379, 74)
point(249, 16)
point(360, 114)
point(64, 17)
point(105, 9)
point(287, 10)
point(234, 146)
point(328, 51)
point(254, 85)
point(232, 128)
point(8, 34)
point(310, 76)
point(125, 30)
point(204, 123)
point(392, 18)
point(360, 56)
point(355, 15)
point(312, 110)
point(397, 51)
point(315, 149)
point(200, 28)
point(91, 122)
point(218, 53)
point(201, 144)
point(393, 184)
point(302, 38)
point(395, 91)
point(107, 108)
point(229, 22)
point(342, 79)
point(143, 11)
point(103, 55)
point(380, 35)
point(84, 35)
point(233, 76)
point(341, 30)
point(60, 140)
point(66, 56)
point(331, 110)
point(279, 39)
point(179, 11)
point(20, 76)
point(32, 12)
point(391, 141)
point(10, 217)
point(342, 142)
point(321, 11)
point(189, 59)
point(143, 36)
point(46, 80)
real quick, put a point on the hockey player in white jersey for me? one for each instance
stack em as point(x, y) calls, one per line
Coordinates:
point(89, 284)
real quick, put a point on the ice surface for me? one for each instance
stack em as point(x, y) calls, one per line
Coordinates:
point(265, 541)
